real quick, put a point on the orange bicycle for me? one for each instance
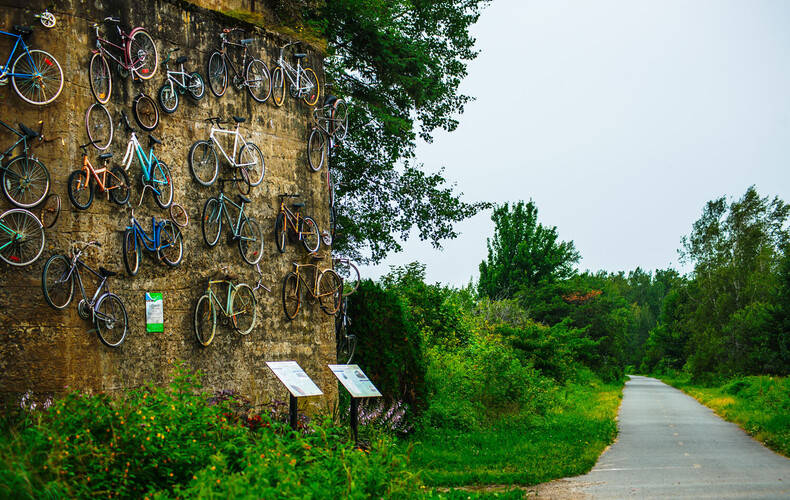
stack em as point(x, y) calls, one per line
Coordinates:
point(304, 227)
point(114, 182)
point(326, 288)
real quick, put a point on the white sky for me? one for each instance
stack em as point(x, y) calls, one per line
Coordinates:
point(620, 119)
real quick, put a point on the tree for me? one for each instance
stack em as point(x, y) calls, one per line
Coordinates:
point(523, 253)
point(399, 64)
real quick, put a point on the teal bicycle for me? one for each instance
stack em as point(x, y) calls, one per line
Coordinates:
point(165, 240)
point(245, 230)
point(156, 174)
point(21, 237)
point(35, 75)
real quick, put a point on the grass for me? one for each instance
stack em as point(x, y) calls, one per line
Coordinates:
point(758, 404)
point(566, 442)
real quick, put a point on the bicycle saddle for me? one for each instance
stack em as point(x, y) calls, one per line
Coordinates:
point(154, 139)
point(29, 133)
point(298, 205)
point(330, 99)
point(300, 55)
point(239, 119)
point(182, 60)
point(23, 30)
point(106, 272)
point(105, 156)
point(246, 41)
point(244, 199)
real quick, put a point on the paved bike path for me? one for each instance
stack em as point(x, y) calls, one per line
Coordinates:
point(670, 446)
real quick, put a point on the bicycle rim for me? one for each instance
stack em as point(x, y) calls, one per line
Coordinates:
point(111, 320)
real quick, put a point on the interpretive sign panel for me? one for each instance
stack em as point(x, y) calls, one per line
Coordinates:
point(154, 313)
point(355, 381)
point(294, 378)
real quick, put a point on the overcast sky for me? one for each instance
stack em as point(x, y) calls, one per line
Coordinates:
point(620, 119)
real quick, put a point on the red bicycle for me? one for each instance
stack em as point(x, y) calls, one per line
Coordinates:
point(138, 55)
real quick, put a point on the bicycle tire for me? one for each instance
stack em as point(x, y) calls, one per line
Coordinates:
point(131, 252)
point(315, 150)
point(162, 182)
point(349, 273)
point(179, 215)
point(195, 86)
point(311, 95)
point(338, 124)
point(100, 78)
point(98, 123)
point(280, 232)
point(21, 238)
point(346, 347)
point(111, 320)
point(48, 19)
point(212, 221)
point(241, 180)
point(171, 249)
point(244, 310)
point(251, 158)
point(311, 236)
point(278, 86)
point(58, 291)
point(203, 161)
point(168, 97)
point(258, 80)
point(50, 210)
point(80, 188)
point(250, 241)
point(118, 184)
point(217, 74)
point(330, 291)
point(145, 112)
point(48, 75)
point(25, 181)
point(142, 47)
point(205, 320)
point(291, 295)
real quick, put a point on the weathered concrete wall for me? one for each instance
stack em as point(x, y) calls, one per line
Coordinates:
point(46, 350)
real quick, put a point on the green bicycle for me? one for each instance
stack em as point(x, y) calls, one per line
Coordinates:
point(240, 308)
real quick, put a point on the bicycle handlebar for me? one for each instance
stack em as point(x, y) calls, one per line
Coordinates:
point(125, 121)
point(297, 195)
point(84, 146)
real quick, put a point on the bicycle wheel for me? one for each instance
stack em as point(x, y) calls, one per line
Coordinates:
point(111, 320)
point(100, 78)
point(311, 236)
point(37, 77)
point(162, 182)
point(292, 298)
point(205, 320)
point(346, 347)
point(315, 150)
point(241, 179)
point(50, 210)
point(118, 184)
point(145, 112)
point(278, 86)
point(330, 291)
point(25, 182)
point(21, 237)
point(98, 122)
point(142, 53)
point(280, 232)
point(338, 124)
point(212, 221)
point(251, 158)
point(56, 282)
point(171, 249)
point(349, 273)
point(258, 80)
point(80, 189)
point(131, 252)
point(179, 215)
point(203, 162)
point(195, 86)
point(250, 241)
point(244, 309)
point(168, 97)
point(217, 74)
point(311, 86)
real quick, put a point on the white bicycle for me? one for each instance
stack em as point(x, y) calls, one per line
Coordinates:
point(302, 81)
point(245, 156)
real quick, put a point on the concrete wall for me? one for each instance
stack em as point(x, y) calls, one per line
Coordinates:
point(46, 350)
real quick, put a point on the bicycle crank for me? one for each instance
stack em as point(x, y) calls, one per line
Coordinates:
point(238, 82)
point(82, 309)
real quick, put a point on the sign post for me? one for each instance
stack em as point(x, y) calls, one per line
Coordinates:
point(359, 386)
point(296, 381)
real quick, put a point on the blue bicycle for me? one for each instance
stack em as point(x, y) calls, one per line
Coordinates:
point(35, 75)
point(156, 174)
point(165, 240)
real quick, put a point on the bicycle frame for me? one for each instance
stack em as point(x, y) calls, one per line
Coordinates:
point(223, 210)
point(316, 273)
point(74, 270)
point(237, 138)
point(228, 60)
point(289, 70)
point(14, 234)
point(146, 161)
point(127, 63)
point(4, 70)
point(156, 230)
point(213, 297)
point(292, 219)
point(22, 139)
point(88, 167)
